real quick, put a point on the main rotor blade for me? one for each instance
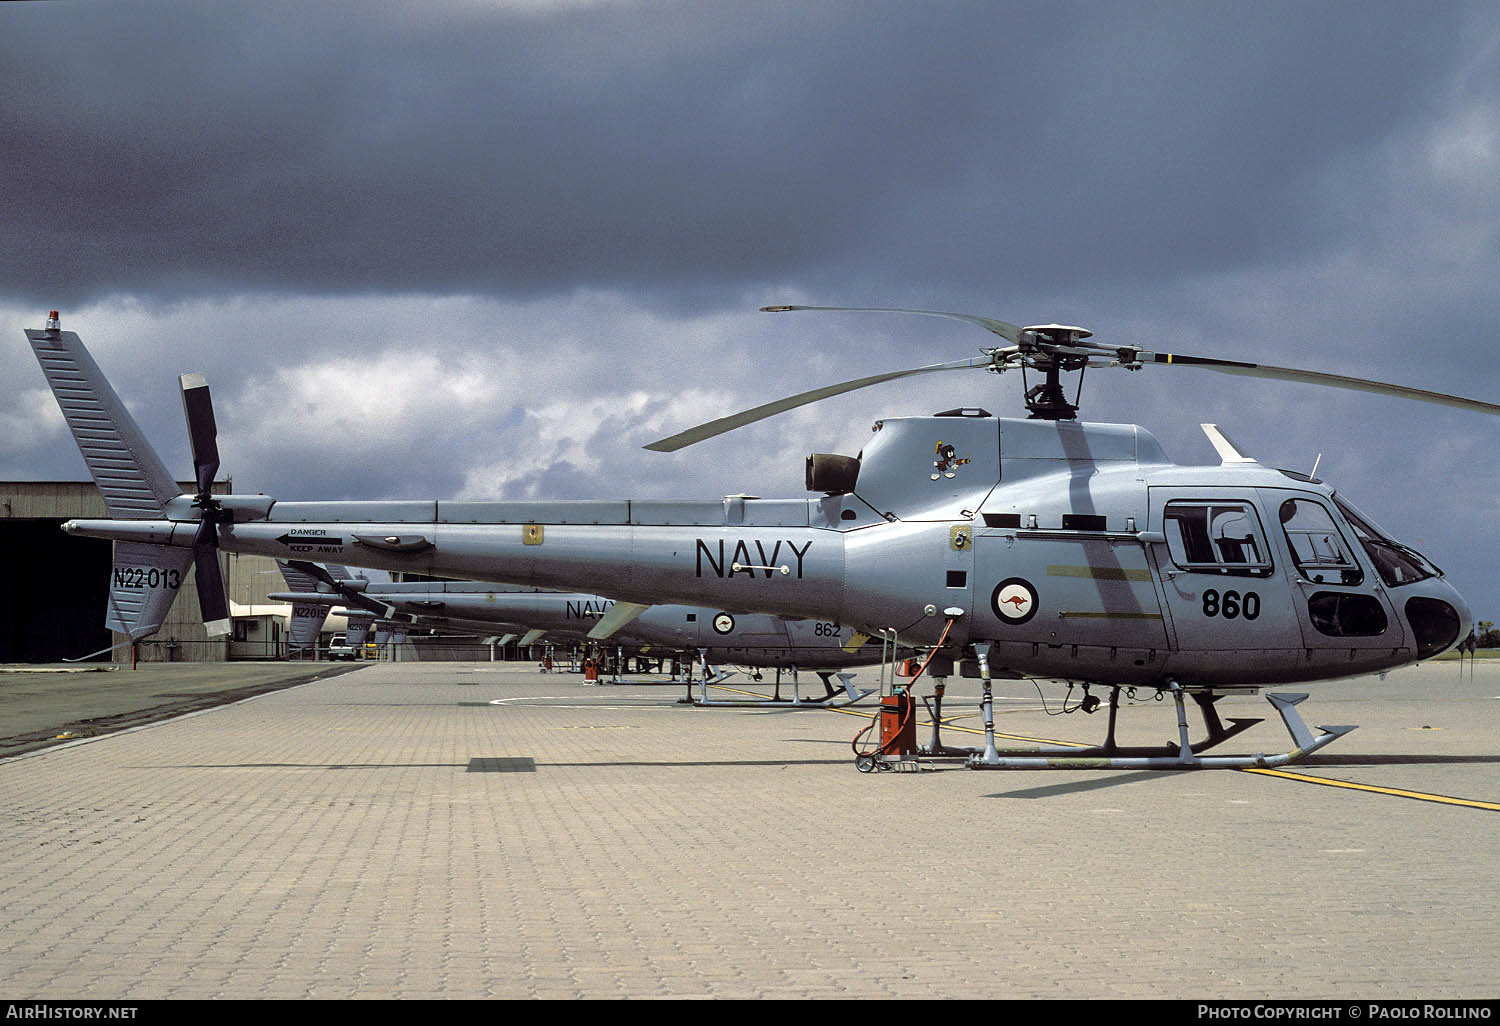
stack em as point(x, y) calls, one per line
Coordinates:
point(1009, 332)
point(1256, 370)
point(203, 434)
point(717, 427)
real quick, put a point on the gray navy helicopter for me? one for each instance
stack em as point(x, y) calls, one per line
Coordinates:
point(714, 637)
point(1043, 547)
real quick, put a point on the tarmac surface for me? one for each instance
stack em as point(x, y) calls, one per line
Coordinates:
point(43, 705)
point(473, 830)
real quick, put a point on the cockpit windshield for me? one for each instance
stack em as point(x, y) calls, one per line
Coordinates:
point(1396, 563)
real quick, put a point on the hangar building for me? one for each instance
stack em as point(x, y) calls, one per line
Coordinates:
point(54, 596)
point(53, 599)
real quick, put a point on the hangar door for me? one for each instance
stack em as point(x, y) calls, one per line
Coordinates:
point(53, 593)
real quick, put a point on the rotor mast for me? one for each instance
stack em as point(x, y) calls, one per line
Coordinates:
point(1052, 349)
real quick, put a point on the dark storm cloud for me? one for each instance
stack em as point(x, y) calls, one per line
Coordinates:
point(489, 250)
point(181, 149)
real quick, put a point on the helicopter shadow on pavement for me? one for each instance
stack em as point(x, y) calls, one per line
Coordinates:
point(1104, 780)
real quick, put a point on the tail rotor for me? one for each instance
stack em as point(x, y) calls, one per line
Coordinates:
point(197, 406)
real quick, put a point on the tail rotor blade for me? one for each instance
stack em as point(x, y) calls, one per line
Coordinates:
point(203, 433)
point(211, 601)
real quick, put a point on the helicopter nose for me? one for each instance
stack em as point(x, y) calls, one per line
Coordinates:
point(1439, 620)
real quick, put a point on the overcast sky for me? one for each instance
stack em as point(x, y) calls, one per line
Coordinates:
point(487, 249)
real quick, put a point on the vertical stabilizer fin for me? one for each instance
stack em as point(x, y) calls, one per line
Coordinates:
point(129, 474)
point(306, 624)
point(359, 625)
point(142, 585)
point(307, 617)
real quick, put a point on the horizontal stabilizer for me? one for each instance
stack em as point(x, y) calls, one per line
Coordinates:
point(314, 598)
point(620, 614)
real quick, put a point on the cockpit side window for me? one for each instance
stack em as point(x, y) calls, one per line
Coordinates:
point(1216, 537)
point(1317, 547)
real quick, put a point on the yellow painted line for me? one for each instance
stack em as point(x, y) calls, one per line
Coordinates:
point(741, 691)
point(1397, 792)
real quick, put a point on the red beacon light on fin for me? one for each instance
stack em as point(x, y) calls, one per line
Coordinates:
point(52, 321)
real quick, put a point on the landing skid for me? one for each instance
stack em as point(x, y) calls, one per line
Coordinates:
point(1217, 735)
point(1174, 756)
point(825, 701)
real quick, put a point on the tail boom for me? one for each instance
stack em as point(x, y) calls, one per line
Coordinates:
point(783, 570)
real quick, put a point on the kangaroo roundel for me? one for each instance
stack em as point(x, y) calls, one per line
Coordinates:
point(1014, 600)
